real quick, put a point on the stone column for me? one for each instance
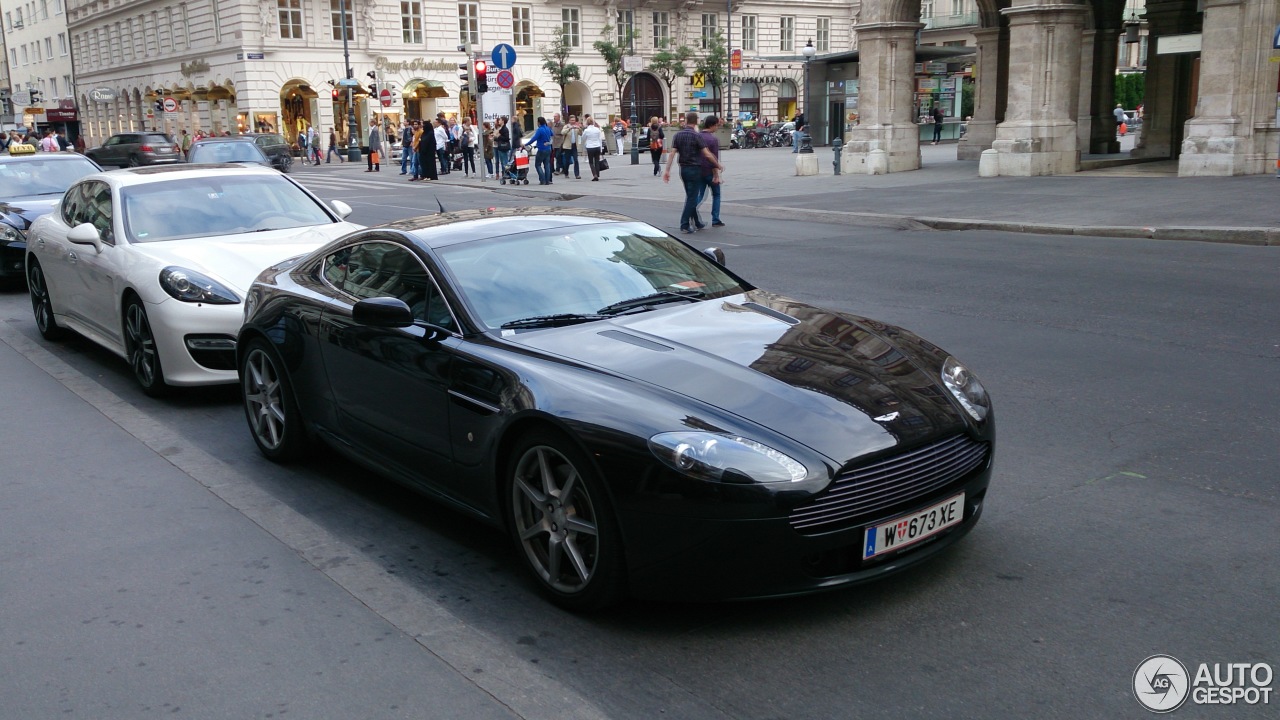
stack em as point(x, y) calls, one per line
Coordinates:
point(1217, 140)
point(886, 88)
point(989, 73)
point(1038, 135)
point(1099, 54)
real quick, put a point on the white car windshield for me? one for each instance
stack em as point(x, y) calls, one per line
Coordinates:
point(585, 271)
point(216, 205)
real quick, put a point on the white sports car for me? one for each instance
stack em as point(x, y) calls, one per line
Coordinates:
point(153, 263)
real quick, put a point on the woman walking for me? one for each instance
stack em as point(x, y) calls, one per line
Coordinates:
point(502, 148)
point(467, 141)
point(656, 137)
point(425, 143)
point(593, 141)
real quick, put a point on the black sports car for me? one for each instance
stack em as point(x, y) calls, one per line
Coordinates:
point(637, 417)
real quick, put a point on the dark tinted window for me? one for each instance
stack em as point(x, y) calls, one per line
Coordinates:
point(379, 269)
point(97, 210)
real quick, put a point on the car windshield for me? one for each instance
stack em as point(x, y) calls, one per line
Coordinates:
point(546, 278)
point(218, 152)
point(42, 177)
point(222, 204)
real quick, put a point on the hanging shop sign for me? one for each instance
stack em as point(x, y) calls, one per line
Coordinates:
point(385, 64)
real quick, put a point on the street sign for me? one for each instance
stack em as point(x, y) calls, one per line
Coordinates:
point(503, 56)
point(20, 98)
point(348, 82)
point(385, 97)
point(505, 79)
point(699, 80)
point(632, 63)
point(170, 105)
point(255, 56)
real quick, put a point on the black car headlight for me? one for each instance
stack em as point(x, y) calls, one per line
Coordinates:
point(724, 458)
point(966, 389)
point(191, 286)
point(11, 234)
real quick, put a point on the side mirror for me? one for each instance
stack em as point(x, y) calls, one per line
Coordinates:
point(85, 234)
point(383, 312)
point(715, 253)
point(341, 208)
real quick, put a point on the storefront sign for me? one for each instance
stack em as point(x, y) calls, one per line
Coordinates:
point(1177, 44)
point(384, 64)
point(102, 95)
point(60, 115)
point(194, 67)
point(926, 85)
point(762, 80)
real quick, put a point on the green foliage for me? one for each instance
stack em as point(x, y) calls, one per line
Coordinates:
point(613, 51)
point(1131, 88)
point(669, 64)
point(966, 98)
point(714, 62)
point(555, 60)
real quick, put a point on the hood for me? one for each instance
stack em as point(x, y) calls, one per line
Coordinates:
point(237, 259)
point(844, 386)
point(21, 212)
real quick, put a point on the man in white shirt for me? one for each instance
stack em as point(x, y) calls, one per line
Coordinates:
point(442, 145)
point(593, 141)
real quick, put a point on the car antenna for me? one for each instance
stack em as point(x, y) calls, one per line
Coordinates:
point(441, 205)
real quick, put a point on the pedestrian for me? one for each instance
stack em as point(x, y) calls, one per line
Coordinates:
point(619, 134)
point(656, 136)
point(797, 123)
point(710, 174)
point(441, 132)
point(1121, 125)
point(313, 139)
point(406, 147)
point(541, 141)
point(301, 142)
point(517, 132)
point(468, 142)
point(593, 141)
point(486, 149)
point(63, 143)
point(185, 143)
point(937, 124)
point(49, 143)
point(425, 143)
point(557, 142)
point(375, 144)
point(502, 148)
point(688, 148)
point(333, 147)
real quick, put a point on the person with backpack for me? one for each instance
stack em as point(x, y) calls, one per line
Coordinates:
point(656, 137)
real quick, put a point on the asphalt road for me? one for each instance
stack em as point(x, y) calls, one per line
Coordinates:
point(1132, 510)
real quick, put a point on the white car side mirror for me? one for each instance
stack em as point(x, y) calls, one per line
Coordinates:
point(85, 234)
point(341, 208)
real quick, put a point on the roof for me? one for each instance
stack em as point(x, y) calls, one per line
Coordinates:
point(450, 228)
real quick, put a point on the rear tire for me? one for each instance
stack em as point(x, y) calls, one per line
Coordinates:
point(134, 161)
point(42, 303)
point(562, 524)
point(141, 350)
point(269, 404)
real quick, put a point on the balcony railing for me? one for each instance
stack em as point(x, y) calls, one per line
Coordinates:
point(938, 22)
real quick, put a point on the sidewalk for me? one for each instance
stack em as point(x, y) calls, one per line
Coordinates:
point(1146, 200)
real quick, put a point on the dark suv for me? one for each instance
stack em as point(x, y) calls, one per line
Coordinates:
point(276, 148)
point(136, 148)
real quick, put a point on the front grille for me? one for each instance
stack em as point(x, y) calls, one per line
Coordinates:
point(889, 482)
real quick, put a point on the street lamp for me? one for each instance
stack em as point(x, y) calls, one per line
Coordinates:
point(353, 145)
point(635, 131)
point(808, 51)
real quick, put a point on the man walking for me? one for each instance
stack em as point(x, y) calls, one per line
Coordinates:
point(406, 145)
point(710, 175)
point(1121, 125)
point(688, 147)
point(333, 148)
point(375, 144)
point(569, 149)
point(441, 133)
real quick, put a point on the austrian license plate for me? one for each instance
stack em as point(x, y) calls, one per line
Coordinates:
point(910, 529)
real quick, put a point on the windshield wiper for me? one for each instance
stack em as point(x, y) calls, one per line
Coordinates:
point(551, 320)
point(658, 298)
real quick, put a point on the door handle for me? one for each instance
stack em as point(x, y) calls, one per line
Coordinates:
point(71, 256)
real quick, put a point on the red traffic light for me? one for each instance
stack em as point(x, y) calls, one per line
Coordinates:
point(336, 94)
point(481, 67)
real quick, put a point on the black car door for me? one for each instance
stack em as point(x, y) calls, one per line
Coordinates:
point(390, 385)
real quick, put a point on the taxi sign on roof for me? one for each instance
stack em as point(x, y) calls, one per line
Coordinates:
point(22, 149)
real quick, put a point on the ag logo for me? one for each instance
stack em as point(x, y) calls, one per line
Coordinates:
point(1161, 683)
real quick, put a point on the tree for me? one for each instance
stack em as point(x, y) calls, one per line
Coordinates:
point(713, 65)
point(555, 60)
point(669, 64)
point(613, 50)
point(1131, 88)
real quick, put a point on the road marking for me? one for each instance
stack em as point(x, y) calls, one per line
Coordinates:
point(508, 678)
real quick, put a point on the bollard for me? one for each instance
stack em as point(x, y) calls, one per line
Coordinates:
point(837, 147)
point(806, 143)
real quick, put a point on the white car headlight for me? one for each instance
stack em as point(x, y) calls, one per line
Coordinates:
point(191, 286)
point(966, 389)
point(723, 458)
point(10, 234)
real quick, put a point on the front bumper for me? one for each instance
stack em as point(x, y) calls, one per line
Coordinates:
point(12, 260)
point(196, 341)
point(761, 558)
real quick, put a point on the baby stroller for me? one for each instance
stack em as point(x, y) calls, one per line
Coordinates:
point(517, 171)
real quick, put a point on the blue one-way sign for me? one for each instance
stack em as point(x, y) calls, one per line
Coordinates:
point(504, 56)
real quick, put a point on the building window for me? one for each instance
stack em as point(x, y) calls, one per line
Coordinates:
point(53, 85)
point(626, 21)
point(469, 23)
point(48, 47)
point(749, 32)
point(571, 26)
point(787, 42)
point(411, 22)
point(957, 7)
point(926, 9)
point(336, 18)
point(661, 29)
point(66, 82)
point(710, 23)
point(823, 40)
point(521, 25)
point(35, 50)
point(57, 7)
point(290, 15)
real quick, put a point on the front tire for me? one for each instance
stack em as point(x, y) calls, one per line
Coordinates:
point(562, 524)
point(269, 404)
point(42, 303)
point(141, 350)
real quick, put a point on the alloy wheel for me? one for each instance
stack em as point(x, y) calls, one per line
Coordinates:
point(41, 305)
point(556, 522)
point(264, 400)
point(140, 347)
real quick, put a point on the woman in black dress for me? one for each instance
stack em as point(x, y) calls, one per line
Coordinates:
point(426, 154)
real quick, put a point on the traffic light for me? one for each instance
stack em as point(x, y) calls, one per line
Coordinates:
point(35, 97)
point(373, 89)
point(482, 76)
point(159, 105)
point(337, 95)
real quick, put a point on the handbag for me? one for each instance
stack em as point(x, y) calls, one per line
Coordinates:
point(602, 164)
